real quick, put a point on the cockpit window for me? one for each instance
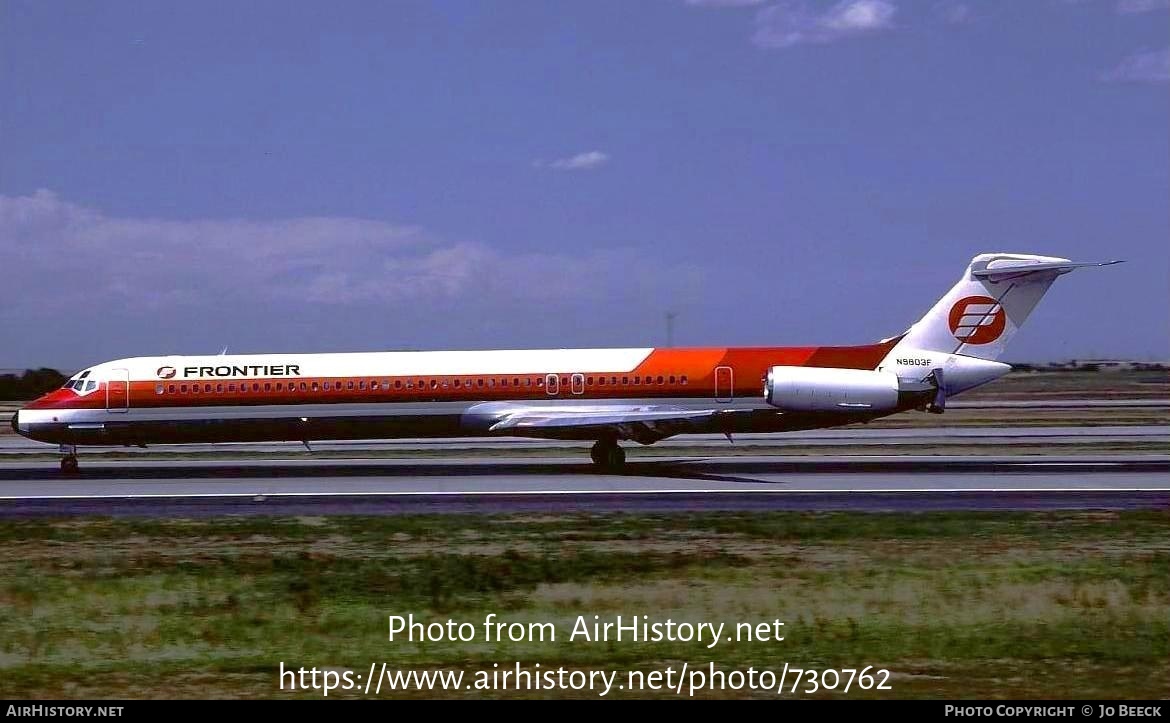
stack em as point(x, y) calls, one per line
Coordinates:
point(80, 384)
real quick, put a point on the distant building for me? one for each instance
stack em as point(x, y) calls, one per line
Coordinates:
point(1111, 365)
point(1086, 365)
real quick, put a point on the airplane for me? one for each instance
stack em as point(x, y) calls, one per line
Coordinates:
point(604, 395)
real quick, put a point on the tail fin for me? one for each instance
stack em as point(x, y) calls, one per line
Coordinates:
point(979, 315)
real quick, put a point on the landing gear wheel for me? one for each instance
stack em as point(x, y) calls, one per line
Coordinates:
point(616, 459)
point(69, 465)
point(607, 455)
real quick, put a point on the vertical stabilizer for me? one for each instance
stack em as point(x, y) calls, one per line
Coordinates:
point(970, 326)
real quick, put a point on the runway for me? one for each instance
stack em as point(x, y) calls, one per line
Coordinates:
point(555, 485)
point(851, 436)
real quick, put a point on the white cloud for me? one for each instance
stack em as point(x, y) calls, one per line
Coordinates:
point(793, 22)
point(580, 162)
point(1147, 66)
point(1130, 7)
point(62, 258)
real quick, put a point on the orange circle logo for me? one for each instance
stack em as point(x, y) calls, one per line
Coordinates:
point(977, 320)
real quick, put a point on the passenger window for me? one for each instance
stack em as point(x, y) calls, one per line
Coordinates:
point(683, 379)
point(314, 386)
point(456, 383)
point(672, 379)
point(218, 388)
point(661, 379)
point(625, 380)
point(158, 389)
point(171, 389)
point(255, 386)
point(194, 388)
point(613, 380)
point(268, 386)
point(434, 384)
point(515, 381)
point(304, 387)
point(349, 384)
point(385, 385)
point(600, 381)
point(397, 383)
point(479, 382)
point(637, 380)
point(361, 385)
point(325, 386)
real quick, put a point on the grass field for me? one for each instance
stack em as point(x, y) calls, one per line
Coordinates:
point(954, 604)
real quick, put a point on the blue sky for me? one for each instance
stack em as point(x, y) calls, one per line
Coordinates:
point(274, 176)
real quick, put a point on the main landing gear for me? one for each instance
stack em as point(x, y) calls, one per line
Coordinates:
point(607, 455)
point(69, 463)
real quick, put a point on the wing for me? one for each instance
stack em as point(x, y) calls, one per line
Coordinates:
point(639, 423)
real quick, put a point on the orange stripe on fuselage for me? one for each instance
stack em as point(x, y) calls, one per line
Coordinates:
point(749, 366)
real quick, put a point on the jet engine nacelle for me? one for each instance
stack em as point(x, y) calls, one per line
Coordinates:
point(818, 389)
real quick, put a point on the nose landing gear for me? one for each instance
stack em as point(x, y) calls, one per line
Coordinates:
point(607, 455)
point(69, 463)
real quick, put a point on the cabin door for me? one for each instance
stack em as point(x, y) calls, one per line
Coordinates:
point(118, 390)
point(724, 384)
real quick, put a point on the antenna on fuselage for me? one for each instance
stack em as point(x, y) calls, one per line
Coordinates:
point(223, 351)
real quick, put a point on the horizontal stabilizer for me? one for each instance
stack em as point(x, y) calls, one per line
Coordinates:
point(1011, 269)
